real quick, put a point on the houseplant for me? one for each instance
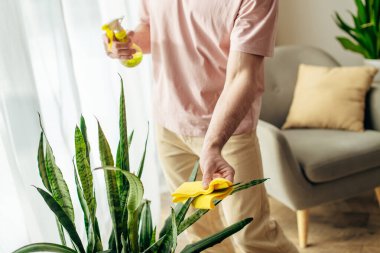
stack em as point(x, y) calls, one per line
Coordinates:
point(130, 214)
point(364, 34)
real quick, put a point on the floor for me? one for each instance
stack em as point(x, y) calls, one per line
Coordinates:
point(349, 226)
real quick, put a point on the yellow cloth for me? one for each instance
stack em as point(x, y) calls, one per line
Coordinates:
point(219, 188)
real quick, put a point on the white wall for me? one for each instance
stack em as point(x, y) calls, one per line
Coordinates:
point(310, 22)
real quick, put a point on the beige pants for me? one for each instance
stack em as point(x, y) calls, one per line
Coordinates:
point(178, 154)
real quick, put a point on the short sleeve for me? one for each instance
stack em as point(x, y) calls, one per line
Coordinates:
point(254, 29)
point(145, 11)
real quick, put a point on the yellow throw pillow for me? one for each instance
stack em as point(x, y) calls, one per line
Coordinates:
point(331, 98)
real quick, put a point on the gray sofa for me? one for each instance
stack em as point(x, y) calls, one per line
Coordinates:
point(309, 167)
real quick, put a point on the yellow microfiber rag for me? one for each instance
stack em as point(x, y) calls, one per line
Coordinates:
point(219, 188)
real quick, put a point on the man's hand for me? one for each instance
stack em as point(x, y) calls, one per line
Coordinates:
point(120, 50)
point(214, 166)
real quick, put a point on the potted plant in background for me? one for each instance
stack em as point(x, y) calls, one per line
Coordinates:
point(364, 34)
point(131, 217)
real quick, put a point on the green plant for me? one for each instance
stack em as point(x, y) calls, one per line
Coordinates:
point(364, 35)
point(131, 215)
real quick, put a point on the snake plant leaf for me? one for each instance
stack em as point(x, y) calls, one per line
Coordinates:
point(146, 227)
point(86, 214)
point(123, 149)
point(41, 163)
point(63, 218)
point(123, 129)
point(122, 182)
point(135, 195)
point(61, 232)
point(136, 189)
point(124, 249)
point(216, 238)
point(169, 244)
point(153, 239)
point(130, 138)
point(142, 162)
point(174, 231)
point(98, 240)
point(111, 186)
point(85, 173)
point(194, 217)
point(45, 179)
point(194, 172)
point(111, 241)
point(83, 129)
point(44, 247)
point(154, 248)
point(181, 210)
point(58, 185)
point(250, 184)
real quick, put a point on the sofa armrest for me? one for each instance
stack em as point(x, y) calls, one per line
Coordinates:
point(287, 182)
point(373, 108)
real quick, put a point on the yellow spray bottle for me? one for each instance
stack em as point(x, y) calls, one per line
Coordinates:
point(115, 31)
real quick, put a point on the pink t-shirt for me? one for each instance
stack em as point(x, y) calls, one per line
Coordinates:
point(190, 44)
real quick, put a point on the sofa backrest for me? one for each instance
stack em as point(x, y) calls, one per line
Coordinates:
point(281, 76)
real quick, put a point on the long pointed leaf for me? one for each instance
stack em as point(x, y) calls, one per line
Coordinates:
point(141, 167)
point(135, 195)
point(130, 138)
point(83, 129)
point(84, 171)
point(61, 232)
point(155, 247)
point(86, 214)
point(216, 238)
point(58, 185)
point(124, 148)
point(111, 185)
point(174, 231)
point(63, 218)
point(146, 227)
point(44, 247)
point(41, 163)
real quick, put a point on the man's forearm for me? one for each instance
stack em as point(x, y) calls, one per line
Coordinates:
point(142, 37)
point(244, 84)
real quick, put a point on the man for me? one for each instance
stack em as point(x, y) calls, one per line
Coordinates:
point(208, 73)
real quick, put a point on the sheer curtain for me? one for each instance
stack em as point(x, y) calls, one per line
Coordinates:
point(52, 62)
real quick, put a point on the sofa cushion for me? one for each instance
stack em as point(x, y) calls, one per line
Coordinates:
point(330, 98)
point(327, 155)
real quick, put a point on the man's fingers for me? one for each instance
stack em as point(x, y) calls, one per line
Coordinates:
point(125, 52)
point(130, 34)
point(207, 178)
point(121, 45)
point(230, 178)
point(106, 40)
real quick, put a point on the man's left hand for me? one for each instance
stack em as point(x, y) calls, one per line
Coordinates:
point(214, 166)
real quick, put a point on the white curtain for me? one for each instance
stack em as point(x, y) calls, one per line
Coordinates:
point(53, 62)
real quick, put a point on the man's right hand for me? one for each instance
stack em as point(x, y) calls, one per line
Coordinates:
point(120, 50)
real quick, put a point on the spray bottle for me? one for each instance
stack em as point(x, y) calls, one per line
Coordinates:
point(115, 31)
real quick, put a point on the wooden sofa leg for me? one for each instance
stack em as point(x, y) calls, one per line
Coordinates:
point(377, 191)
point(303, 225)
